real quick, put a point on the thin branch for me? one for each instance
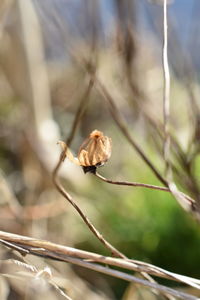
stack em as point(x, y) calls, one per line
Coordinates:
point(81, 109)
point(188, 202)
point(118, 274)
point(68, 197)
point(86, 259)
point(185, 201)
point(122, 126)
point(135, 184)
point(166, 96)
point(117, 117)
point(144, 185)
point(89, 224)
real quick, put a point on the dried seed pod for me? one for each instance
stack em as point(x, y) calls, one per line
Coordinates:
point(94, 151)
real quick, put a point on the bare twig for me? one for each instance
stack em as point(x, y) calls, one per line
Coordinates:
point(135, 184)
point(166, 96)
point(81, 109)
point(184, 200)
point(144, 185)
point(122, 126)
point(68, 197)
point(188, 202)
point(90, 260)
point(89, 224)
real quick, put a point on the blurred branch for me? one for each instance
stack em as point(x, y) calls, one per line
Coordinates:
point(79, 114)
point(9, 198)
point(25, 66)
point(93, 18)
point(5, 6)
point(92, 261)
point(39, 90)
point(122, 126)
point(127, 43)
point(22, 57)
point(186, 202)
point(35, 212)
point(26, 271)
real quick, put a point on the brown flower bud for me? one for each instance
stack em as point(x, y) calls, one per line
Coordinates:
point(94, 151)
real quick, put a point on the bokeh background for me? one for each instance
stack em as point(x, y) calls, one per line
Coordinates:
point(47, 52)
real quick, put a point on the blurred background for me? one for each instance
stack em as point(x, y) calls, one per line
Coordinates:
point(49, 51)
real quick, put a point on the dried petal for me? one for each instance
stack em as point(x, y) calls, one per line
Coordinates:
point(95, 150)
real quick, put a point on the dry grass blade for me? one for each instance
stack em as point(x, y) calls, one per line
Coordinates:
point(25, 271)
point(47, 248)
point(89, 260)
point(14, 247)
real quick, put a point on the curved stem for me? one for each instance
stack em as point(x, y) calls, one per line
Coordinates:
point(89, 224)
point(135, 184)
point(144, 185)
point(68, 197)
